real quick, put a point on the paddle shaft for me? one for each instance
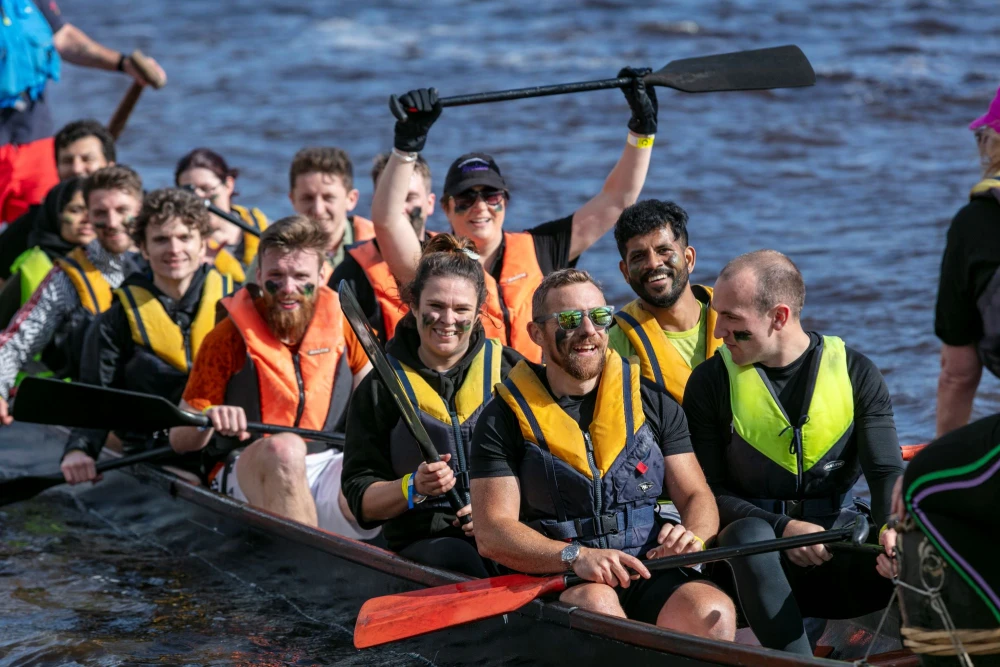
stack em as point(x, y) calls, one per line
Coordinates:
point(536, 91)
point(358, 322)
point(124, 110)
point(233, 218)
point(725, 553)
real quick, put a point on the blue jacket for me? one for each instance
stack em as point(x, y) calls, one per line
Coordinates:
point(27, 54)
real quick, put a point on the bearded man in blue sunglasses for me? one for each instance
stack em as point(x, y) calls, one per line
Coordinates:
point(568, 463)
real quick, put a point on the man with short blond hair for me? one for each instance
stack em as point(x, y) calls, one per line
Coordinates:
point(288, 357)
point(80, 285)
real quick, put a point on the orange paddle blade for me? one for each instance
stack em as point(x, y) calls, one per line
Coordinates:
point(909, 451)
point(392, 617)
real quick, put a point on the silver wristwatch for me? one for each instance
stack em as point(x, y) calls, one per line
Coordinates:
point(569, 555)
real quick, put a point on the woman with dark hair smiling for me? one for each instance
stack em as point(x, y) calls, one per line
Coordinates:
point(448, 368)
point(229, 247)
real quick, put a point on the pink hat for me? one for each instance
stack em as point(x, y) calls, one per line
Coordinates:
point(991, 117)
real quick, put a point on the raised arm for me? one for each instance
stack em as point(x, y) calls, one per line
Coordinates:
point(415, 111)
point(76, 47)
point(624, 183)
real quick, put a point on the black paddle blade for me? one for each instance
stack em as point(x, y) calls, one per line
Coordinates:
point(759, 69)
point(22, 488)
point(47, 401)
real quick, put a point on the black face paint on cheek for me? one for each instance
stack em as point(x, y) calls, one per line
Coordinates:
point(561, 335)
point(498, 208)
point(742, 336)
point(464, 325)
point(416, 214)
point(428, 320)
point(308, 289)
point(271, 287)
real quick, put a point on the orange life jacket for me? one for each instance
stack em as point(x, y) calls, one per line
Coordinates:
point(364, 229)
point(508, 304)
point(308, 388)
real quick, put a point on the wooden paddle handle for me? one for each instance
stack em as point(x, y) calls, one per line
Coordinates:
point(124, 110)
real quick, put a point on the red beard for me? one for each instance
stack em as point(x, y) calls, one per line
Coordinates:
point(289, 326)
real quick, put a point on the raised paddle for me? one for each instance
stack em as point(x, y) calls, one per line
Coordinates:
point(124, 110)
point(359, 323)
point(228, 217)
point(759, 69)
point(54, 402)
point(394, 617)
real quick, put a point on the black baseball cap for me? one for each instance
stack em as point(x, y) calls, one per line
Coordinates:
point(470, 170)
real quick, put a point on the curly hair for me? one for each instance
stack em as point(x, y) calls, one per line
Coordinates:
point(648, 216)
point(161, 206)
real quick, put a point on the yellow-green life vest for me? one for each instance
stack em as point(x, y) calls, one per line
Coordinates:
point(768, 456)
point(33, 265)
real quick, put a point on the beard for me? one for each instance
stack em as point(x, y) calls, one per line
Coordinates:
point(289, 325)
point(582, 369)
point(679, 277)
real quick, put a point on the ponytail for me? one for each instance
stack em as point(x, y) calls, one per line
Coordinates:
point(446, 255)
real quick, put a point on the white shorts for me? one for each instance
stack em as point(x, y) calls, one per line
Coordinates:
point(323, 472)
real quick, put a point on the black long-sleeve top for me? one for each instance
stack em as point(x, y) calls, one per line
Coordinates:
point(873, 441)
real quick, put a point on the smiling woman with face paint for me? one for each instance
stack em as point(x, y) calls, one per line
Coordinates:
point(448, 368)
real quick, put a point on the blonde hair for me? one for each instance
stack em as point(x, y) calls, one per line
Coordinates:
point(988, 141)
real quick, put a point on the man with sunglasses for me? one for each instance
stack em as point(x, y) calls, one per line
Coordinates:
point(475, 199)
point(669, 326)
point(784, 422)
point(78, 287)
point(580, 449)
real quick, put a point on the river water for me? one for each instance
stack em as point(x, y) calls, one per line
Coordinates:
point(855, 178)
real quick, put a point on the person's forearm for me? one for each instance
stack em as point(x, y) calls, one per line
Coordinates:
point(33, 326)
point(700, 513)
point(397, 242)
point(76, 47)
point(955, 395)
point(621, 189)
point(383, 501)
point(733, 508)
point(515, 545)
point(189, 438)
point(88, 440)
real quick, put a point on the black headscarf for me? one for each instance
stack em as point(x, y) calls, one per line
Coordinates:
point(48, 219)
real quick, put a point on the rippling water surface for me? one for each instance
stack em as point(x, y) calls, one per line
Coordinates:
point(855, 178)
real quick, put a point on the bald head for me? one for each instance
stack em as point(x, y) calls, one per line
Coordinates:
point(776, 280)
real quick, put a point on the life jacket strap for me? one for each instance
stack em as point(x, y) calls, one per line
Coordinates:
point(809, 507)
point(600, 525)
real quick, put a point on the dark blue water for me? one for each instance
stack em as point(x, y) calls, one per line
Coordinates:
point(855, 178)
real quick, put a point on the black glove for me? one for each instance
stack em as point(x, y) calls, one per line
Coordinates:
point(415, 112)
point(641, 100)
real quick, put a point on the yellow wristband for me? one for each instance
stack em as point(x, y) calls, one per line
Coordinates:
point(641, 142)
point(882, 530)
point(701, 541)
point(207, 409)
point(405, 484)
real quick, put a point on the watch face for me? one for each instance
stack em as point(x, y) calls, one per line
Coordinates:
point(570, 553)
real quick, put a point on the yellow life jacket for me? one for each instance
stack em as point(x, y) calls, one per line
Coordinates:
point(759, 421)
point(235, 267)
point(985, 187)
point(660, 360)
point(153, 329)
point(93, 289)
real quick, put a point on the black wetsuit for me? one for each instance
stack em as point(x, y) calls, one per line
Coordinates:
point(774, 593)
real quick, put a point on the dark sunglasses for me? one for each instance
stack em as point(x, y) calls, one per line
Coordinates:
point(468, 199)
point(601, 316)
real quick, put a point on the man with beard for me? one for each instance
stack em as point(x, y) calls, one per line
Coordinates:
point(367, 272)
point(145, 342)
point(579, 450)
point(669, 327)
point(284, 357)
point(784, 422)
point(78, 287)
